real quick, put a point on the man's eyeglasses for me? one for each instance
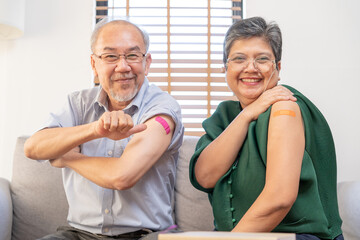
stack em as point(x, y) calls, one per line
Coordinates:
point(261, 63)
point(133, 57)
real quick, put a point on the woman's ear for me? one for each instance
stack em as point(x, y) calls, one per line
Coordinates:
point(278, 65)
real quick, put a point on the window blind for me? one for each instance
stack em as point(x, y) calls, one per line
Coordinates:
point(186, 43)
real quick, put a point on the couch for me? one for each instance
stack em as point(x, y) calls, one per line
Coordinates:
point(33, 204)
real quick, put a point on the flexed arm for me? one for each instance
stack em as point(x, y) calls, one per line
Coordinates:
point(140, 154)
point(286, 144)
point(52, 143)
point(209, 167)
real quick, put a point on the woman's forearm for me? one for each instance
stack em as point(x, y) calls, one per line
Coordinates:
point(266, 213)
point(216, 159)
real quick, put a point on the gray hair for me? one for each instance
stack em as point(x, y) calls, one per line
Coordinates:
point(104, 21)
point(254, 27)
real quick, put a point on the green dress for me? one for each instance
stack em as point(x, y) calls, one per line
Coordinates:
point(315, 210)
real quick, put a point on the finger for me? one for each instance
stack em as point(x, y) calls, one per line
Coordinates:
point(106, 120)
point(282, 93)
point(285, 96)
point(138, 128)
point(127, 124)
point(115, 120)
point(285, 89)
point(122, 121)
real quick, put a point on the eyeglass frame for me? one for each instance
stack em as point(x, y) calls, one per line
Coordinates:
point(253, 62)
point(119, 57)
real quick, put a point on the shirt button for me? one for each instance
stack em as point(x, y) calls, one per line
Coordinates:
point(110, 152)
point(233, 220)
point(230, 182)
point(234, 167)
point(232, 209)
point(231, 196)
point(107, 211)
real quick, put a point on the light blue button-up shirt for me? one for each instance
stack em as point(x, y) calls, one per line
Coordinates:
point(148, 204)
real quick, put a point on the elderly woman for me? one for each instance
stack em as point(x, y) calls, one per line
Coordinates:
point(268, 160)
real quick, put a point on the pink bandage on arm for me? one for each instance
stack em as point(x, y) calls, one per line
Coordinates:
point(163, 123)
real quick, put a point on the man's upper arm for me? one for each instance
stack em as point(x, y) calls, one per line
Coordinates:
point(144, 149)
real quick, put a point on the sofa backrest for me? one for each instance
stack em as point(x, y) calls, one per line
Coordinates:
point(38, 196)
point(192, 207)
point(40, 205)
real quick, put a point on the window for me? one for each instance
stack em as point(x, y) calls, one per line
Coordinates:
point(186, 43)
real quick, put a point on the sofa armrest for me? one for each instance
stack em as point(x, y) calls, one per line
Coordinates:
point(349, 208)
point(6, 210)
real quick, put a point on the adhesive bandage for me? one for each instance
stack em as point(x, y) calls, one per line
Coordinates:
point(284, 112)
point(164, 124)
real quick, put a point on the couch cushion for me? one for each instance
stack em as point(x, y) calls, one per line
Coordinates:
point(192, 208)
point(38, 196)
point(5, 209)
point(349, 208)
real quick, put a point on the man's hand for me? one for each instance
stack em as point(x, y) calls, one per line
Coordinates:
point(116, 125)
point(266, 99)
point(60, 162)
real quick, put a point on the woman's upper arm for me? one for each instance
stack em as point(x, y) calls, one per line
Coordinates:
point(286, 144)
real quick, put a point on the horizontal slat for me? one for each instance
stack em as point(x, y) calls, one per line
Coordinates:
point(188, 34)
point(185, 25)
point(191, 133)
point(186, 52)
point(165, 7)
point(199, 88)
point(205, 17)
point(187, 79)
point(194, 115)
point(194, 107)
point(218, 98)
point(186, 61)
point(160, 8)
point(192, 125)
point(189, 43)
point(185, 70)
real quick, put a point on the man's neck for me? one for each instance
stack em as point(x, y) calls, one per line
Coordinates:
point(116, 106)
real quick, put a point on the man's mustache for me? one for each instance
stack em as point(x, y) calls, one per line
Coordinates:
point(119, 76)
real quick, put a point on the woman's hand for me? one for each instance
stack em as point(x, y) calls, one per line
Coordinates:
point(266, 99)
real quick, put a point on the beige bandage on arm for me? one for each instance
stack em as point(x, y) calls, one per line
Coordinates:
point(284, 112)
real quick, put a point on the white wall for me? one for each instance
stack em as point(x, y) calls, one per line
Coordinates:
point(39, 69)
point(321, 49)
point(320, 58)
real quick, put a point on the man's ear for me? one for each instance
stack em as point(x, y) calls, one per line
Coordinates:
point(148, 61)
point(92, 61)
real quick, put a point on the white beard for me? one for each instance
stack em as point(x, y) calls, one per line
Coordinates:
point(127, 97)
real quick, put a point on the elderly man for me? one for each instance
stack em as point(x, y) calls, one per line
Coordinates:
point(117, 144)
